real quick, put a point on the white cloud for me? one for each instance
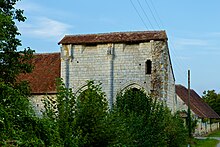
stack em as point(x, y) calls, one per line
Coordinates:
point(34, 8)
point(43, 27)
point(29, 6)
point(39, 23)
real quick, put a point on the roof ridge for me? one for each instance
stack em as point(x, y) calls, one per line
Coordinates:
point(108, 33)
point(179, 85)
point(46, 53)
point(114, 37)
point(198, 105)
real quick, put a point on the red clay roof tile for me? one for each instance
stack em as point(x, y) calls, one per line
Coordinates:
point(115, 37)
point(197, 105)
point(43, 77)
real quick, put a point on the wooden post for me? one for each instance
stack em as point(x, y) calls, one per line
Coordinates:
point(189, 115)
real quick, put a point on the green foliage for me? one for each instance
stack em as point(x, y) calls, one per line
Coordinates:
point(79, 121)
point(175, 130)
point(84, 120)
point(213, 99)
point(193, 120)
point(91, 111)
point(12, 61)
point(146, 121)
point(136, 120)
point(215, 133)
point(205, 142)
point(18, 124)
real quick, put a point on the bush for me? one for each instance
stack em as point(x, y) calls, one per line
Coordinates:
point(18, 123)
point(85, 120)
point(176, 132)
point(80, 121)
point(146, 121)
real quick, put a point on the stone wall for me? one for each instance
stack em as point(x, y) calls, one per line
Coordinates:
point(202, 127)
point(163, 82)
point(205, 127)
point(119, 66)
point(37, 102)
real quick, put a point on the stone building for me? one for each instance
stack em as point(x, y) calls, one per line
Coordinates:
point(42, 80)
point(200, 110)
point(119, 61)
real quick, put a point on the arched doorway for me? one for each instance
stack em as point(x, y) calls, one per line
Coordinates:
point(134, 87)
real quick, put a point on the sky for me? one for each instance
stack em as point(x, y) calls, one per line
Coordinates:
point(192, 27)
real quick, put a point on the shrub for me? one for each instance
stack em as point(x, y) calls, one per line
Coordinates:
point(147, 122)
point(79, 120)
point(18, 123)
point(136, 120)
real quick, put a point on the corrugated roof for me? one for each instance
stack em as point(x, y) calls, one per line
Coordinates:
point(43, 77)
point(197, 104)
point(114, 37)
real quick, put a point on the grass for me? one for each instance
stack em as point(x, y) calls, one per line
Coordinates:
point(205, 143)
point(214, 134)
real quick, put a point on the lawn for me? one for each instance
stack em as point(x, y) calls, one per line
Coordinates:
point(214, 134)
point(205, 143)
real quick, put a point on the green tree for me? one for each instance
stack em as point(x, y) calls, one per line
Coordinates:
point(12, 61)
point(213, 99)
point(18, 124)
point(146, 121)
point(84, 120)
point(91, 113)
point(61, 120)
point(79, 121)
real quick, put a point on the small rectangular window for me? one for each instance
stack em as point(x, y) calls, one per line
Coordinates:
point(148, 66)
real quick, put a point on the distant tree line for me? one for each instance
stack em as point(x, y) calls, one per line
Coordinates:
point(212, 99)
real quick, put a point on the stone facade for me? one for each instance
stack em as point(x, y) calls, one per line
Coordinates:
point(37, 102)
point(119, 65)
point(202, 127)
point(200, 110)
point(42, 80)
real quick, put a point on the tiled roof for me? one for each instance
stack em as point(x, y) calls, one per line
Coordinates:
point(197, 105)
point(115, 37)
point(43, 77)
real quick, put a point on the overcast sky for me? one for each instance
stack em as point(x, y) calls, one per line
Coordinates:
point(193, 29)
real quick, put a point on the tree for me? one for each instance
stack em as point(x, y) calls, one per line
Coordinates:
point(84, 120)
point(146, 121)
point(90, 116)
point(79, 121)
point(18, 124)
point(212, 99)
point(12, 61)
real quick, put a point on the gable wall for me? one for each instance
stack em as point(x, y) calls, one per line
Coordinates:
point(118, 66)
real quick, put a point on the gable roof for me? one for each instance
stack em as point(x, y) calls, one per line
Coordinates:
point(115, 37)
point(197, 104)
point(43, 77)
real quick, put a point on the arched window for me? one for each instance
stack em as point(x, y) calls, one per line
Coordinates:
point(148, 66)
